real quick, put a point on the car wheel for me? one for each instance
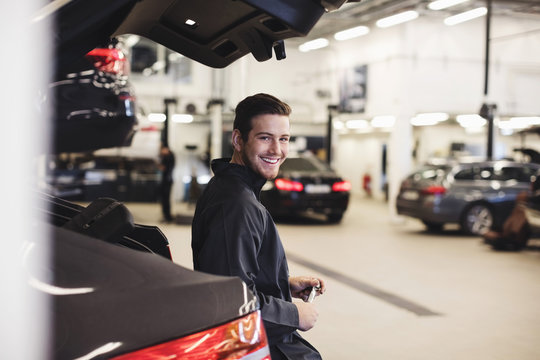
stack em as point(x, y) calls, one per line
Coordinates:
point(335, 218)
point(433, 226)
point(477, 219)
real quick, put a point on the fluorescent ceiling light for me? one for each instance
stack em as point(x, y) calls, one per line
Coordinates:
point(509, 125)
point(465, 16)
point(157, 117)
point(357, 124)
point(182, 118)
point(338, 125)
point(351, 33)
point(519, 122)
point(471, 121)
point(397, 19)
point(383, 121)
point(415, 121)
point(313, 45)
point(443, 4)
point(529, 120)
point(428, 119)
point(436, 116)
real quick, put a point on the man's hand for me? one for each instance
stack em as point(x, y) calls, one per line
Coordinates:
point(301, 286)
point(307, 315)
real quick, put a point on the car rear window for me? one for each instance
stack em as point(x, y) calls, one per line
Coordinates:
point(429, 173)
point(301, 164)
point(521, 174)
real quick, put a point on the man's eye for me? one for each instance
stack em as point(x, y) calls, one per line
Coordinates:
point(284, 140)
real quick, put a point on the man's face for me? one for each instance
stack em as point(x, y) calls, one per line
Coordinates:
point(267, 145)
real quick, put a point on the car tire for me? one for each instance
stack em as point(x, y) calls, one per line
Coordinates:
point(433, 226)
point(477, 219)
point(335, 218)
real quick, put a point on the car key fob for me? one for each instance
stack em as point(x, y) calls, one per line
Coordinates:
point(313, 293)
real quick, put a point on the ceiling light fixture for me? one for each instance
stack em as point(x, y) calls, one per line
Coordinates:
point(471, 121)
point(157, 117)
point(443, 4)
point(313, 45)
point(429, 119)
point(526, 120)
point(397, 19)
point(357, 124)
point(417, 121)
point(338, 124)
point(385, 121)
point(182, 118)
point(519, 122)
point(465, 16)
point(351, 33)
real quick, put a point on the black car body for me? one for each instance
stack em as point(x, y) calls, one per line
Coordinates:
point(306, 184)
point(112, 294)
point(112, 301)
point(478, 195)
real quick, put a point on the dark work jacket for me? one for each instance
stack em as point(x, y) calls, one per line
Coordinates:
point(233, 234)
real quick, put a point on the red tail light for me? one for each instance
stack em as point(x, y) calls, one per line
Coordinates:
point(239, 339)
point(341, 186)
point(108, 60)
point(289, 185)
point(434, 190)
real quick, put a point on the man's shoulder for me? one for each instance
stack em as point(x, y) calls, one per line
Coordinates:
point(231, 192)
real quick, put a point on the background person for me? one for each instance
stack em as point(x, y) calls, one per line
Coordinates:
point(233, 234)
point(166, 166)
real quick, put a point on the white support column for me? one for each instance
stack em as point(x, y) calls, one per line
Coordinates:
point(216, 129)
point(25, 311)
point(399, 159)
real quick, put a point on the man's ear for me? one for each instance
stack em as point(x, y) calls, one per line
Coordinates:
point(237, 141)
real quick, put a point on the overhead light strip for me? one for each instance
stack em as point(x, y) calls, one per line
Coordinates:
point(443, 4)
point(313, 45)
point(351, 33)
point(397, 19)
point(465, 16)
point(471, 121)
point(383, 121)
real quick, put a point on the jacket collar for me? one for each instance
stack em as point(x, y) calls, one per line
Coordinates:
point(252, 179)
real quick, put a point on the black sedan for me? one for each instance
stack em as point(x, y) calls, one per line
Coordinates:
point(307, 184)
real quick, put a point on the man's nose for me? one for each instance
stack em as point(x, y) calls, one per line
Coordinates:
point(275, 147)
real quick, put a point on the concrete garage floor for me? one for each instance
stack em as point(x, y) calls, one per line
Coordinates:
point(397, 292)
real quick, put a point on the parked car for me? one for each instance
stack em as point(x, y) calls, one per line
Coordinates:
point(110, 292)
point(87, 177)
point(477, 195)
point(306, 183)
point(94, 103)
point(532, 205)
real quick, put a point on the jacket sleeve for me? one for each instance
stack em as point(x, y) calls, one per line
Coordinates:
point(231, 247)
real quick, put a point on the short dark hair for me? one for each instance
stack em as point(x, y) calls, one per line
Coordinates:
point(258, 104)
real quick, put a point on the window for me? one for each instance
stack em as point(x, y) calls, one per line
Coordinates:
point(475, 173)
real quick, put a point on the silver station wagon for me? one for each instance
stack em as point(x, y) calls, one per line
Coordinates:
point(478, 196)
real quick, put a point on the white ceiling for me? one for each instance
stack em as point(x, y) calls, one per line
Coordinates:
point(366, 12)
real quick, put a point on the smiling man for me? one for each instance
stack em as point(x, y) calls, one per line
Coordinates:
point(233, 234)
